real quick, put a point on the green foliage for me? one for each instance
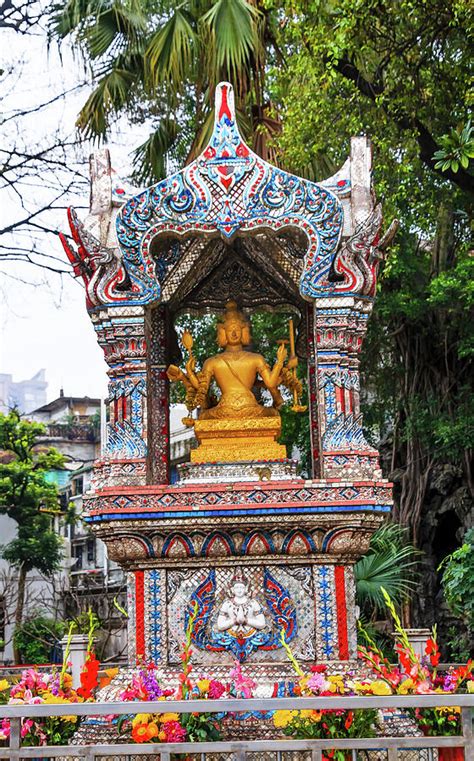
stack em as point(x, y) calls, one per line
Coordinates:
point(27, 497)
point(36, 638)
point(30, 500)
point(458, 579)
point(388, 565)
point(457, 148)
point(458, 645)
point(155, 58)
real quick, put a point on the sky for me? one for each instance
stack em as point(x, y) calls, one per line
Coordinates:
point(43, 320)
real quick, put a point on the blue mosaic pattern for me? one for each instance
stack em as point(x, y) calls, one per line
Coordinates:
point(125, 437)
point(324, 609)
point(155, 614)
point(162, 514)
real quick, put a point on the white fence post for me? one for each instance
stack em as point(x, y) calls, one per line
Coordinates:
point(77, 656)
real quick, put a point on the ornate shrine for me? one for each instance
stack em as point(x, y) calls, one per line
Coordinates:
point(253, 548)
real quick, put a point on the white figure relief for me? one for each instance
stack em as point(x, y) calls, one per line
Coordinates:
point(240, 612)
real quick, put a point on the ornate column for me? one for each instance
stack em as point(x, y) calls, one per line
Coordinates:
point(121, 334)
point(158, 395)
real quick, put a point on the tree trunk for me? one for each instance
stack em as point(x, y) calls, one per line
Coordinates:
point(20, 604)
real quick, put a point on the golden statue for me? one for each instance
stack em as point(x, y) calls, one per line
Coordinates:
point(237, 427)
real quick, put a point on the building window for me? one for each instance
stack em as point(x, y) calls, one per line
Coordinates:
point(90, 550)
point(79, 485)
point(78, 554)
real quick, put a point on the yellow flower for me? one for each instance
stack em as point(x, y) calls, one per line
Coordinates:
point(379, 687)
point(406, 686)
point(448, 709)
point(141, 718)
point(162, 736)
point(306, 713)
point(48, 697)
point(71, 719)
point(336, 684)
point(168, 717)
point(362, 688)
point(469, 685)
point(4, 685)
point(203, 685)
point(316, 716)
point(281, 719)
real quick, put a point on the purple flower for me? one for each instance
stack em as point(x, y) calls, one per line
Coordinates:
point(151, 685)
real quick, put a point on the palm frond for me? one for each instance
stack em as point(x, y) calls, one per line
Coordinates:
point(72, 17)
point(149, 162)
point(110, 96)
point(116, 25)
point(168, 56)
point(234, 28)
point(389, 564)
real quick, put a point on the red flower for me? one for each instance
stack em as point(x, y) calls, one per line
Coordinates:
point(433, 651)
point(349, 720)
point(89, 677)
point(319, 668)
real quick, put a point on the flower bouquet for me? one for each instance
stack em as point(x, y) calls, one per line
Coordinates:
point(35, 688)
point(331, 723)
point(164, 726)
point(420, 676)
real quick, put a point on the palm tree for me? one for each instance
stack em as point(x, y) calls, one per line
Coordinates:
point(160, 60)
point(389, 564)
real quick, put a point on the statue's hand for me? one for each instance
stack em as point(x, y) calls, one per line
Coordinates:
point(282, 353)
point(174, 373)
point(298, 386)
point(292, 363)
point(190, 365)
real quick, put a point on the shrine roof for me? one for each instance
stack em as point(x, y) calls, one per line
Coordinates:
point(228, 203)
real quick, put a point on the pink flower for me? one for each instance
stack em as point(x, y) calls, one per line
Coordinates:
point(26, 726)
point(317, 683)
point(216, 689)
point(243, 685)
point(174, 732)
point(423, 688)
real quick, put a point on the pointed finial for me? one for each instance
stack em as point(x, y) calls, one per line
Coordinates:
point(224, 101)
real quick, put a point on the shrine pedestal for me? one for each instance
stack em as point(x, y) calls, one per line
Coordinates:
point(292, 545)
point(234, 440)
point(236, 472)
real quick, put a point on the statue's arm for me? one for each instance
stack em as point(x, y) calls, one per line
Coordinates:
point(224, 620)
point(204, 381)
point(272, 378)
point(255, 616)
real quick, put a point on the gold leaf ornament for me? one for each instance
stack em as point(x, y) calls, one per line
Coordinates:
point(187, 340)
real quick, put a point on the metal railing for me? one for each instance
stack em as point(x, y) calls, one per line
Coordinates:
point(239, 748)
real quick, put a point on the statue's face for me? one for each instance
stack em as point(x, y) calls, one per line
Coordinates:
point(233, 333)
point(240, 590)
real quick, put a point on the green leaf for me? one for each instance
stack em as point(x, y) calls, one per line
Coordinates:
point(149, 159)
point(233, 25)
point(168, 55)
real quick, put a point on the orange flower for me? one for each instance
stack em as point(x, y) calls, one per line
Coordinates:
point(140, 733)
point(152, 730)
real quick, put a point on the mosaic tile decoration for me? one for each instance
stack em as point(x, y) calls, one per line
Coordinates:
point(181, 585)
